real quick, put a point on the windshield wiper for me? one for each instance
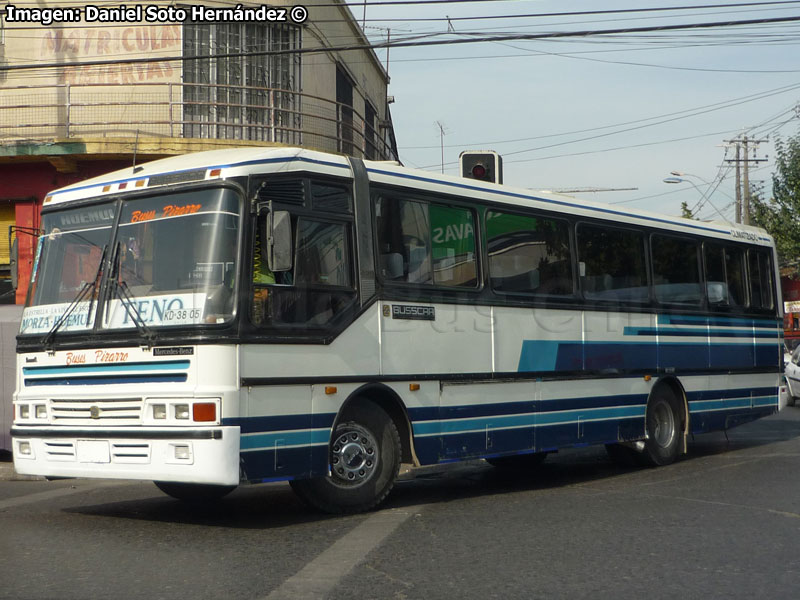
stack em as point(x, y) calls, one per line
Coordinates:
point(119, 289)
point(48, 341)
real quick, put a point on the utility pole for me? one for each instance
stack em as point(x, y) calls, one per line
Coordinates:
point(746, 184)
point(738, 188)
point(441, 140)
point(743, 159)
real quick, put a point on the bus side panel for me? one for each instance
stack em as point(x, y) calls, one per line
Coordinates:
point(453, 339)
point(279, 433)
point(485, 419)
point(590, 411)
point(723, 401)
point(284, 435)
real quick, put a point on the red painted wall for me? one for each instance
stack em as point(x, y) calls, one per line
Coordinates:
point(790, 289)
point(26, 184)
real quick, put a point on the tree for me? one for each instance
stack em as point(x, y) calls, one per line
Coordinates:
point(780, 215)
point(686, 212)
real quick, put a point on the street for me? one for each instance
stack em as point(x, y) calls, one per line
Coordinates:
point(723, 522)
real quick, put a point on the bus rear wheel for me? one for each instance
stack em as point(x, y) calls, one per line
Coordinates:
point(663, 423)
point(194, 492)
point(364, 462)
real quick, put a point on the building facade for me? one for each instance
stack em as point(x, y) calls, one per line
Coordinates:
point(114, 88)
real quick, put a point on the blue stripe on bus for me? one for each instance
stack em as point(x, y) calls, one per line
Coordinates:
point(525, 406)
point(537, 419)
point(568, 355)
point(103, 380)
point(247, 163)
point(533, 419)
point(718, 321)
point(280, 439)
point(78, 370)
point(709, 405)
point(731, 393)
point(281, 422)
point(669, 332)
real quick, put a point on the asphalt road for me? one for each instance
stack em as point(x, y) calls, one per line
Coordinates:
point(723, 522)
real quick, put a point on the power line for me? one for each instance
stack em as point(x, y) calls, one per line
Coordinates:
point(403, 44)
point(714, 106)
point(702, 110)
point(585, 12)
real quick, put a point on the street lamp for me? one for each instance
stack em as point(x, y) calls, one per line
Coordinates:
point(703, 197)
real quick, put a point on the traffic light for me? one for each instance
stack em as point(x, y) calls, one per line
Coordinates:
point(483, 165)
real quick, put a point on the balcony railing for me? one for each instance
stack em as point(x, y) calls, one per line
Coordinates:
point(182, 110)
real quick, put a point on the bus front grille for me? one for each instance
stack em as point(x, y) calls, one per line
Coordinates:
point(116, 411)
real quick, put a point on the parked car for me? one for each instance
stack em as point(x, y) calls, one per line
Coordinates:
point(783, 395)
point(791, 371)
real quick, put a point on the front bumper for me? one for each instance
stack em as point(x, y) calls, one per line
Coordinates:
point(208, 455)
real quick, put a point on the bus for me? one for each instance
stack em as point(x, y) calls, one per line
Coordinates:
point(279, 314)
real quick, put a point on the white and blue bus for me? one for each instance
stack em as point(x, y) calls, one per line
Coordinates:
point(257, 315)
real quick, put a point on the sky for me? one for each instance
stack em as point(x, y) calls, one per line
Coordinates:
point(601, 112)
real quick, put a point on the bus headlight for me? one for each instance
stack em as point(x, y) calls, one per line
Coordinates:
point(24, 411)
point(181, 411)
point(24, 449)
point(41, 411)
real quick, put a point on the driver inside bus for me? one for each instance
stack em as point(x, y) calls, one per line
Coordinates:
point(262, 277)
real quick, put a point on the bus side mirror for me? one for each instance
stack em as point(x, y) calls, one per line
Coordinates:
point(279, 241)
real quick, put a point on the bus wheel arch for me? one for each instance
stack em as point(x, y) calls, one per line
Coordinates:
point(365, 452)
point(666, 422)
point(388, 400)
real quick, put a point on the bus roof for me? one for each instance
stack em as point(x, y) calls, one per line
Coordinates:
point(233, 162)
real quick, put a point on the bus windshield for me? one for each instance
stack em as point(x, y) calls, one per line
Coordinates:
point(172, 258)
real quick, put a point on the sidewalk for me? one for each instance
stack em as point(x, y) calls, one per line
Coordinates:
point(7, 472)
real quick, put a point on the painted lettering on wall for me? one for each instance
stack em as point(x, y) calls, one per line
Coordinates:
point(112, 42)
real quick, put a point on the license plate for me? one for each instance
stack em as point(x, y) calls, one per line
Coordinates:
point(94, 451)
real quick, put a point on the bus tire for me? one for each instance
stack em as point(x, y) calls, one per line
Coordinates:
point(663, 425)
point(518, 461)
point(364, 462)
point(194, 492)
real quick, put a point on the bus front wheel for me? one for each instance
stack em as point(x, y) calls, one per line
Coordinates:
point(364, 462)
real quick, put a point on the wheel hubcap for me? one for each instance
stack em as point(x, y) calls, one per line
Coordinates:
point(354, 456)
point(664, 424)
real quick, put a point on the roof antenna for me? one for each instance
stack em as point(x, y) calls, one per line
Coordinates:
point(135, 148)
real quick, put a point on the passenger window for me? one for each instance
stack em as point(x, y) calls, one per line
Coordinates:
point(724, 274)
point(612, 264)
point(426, 243)
point(760, 270)
point(528, 254)
point(676, 272)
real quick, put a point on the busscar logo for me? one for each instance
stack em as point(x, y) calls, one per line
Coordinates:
point(416, 313)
